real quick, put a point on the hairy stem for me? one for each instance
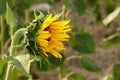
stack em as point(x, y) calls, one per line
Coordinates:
point(14, 38)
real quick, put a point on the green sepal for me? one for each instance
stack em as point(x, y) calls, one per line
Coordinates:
point(50, 62)
point(32, 33)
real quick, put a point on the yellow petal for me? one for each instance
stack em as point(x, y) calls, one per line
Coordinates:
point(42, 42)
point(60, 36)
point(41, 32)
point(46, 23)
point(55, 53)
point(64, 22)
point(55, 17)
point(51, 34)
point(43, 36)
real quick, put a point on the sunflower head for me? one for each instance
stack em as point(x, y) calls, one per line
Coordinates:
point(47, 35)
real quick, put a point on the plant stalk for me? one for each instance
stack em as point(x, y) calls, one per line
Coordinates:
point(9, 70)
point(61, 72)
point(72, 57)
point(14, 40)
point(2, 35)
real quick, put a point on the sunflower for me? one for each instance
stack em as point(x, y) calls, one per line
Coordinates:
point(51, 34)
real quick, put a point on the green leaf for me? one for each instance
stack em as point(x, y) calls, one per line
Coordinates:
point(108, 77)
point(111, 16)
point(97, 12)
point(112, 40)
point(88, 65)
point(2, 6)
point(76, 5)
point(15, 75)
point(109, 6)
point(49, 63)
point(82, 42)
point(21, 62)
point(11, 3)
point(92, 2)
point(76, 76)
point(3, 66)
point(116, 71)
point(11, 20)
point(72, 75)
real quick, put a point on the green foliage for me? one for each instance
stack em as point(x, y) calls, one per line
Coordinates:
point(109, 6)
point(112, 40)
point(88, 65)
point(11, 20)
point(15, 75)
point(76, 76)
point(95, 9)
point(97, 12)
point(82, 42)
point(2, 6)
point(108, 77)
point(18, 41)
point(116, 71)
point(72, 75)
point(11, 3)
point(75, 5)
point(21, 62)
point(92, 2)
point(3, 66)
point(32, 31)
point(50, 62)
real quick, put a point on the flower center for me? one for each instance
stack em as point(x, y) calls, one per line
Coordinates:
point(48, 29)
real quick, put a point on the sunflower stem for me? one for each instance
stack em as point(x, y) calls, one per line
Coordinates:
point(9, 71)
point(2, 35)
point(61, 72)
point(10, 66)
point(14, 40)
point(72, 57)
